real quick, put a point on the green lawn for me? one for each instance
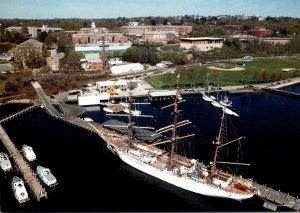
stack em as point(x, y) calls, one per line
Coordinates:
point(256, 71)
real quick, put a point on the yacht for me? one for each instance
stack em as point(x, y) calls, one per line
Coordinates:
point(46, 176)
point(28, 152)
point(5, 162)
point(19, 189)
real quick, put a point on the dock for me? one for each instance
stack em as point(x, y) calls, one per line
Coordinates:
point(274, 198)
point(18, 114)
point(282, 92)
point(23, 167)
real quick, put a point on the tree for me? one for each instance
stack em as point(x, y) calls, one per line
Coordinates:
point(71, 62)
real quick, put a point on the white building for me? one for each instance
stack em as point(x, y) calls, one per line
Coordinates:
point(108, 86)
point(126, 68)
point(201, 43)
point(89, 100)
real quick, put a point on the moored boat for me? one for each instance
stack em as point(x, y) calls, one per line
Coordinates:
point(19, 189)
point(28, 152)
point(5, 162)
point(46, 176)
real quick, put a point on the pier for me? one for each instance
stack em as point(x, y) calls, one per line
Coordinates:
point(23, 166)
point(274, 198)
point(283, 92)
point(18, 114)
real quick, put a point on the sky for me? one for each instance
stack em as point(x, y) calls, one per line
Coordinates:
point(48, 9)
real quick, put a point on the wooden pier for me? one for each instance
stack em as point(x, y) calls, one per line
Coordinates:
point(283, 92)
point(274, 198)
point(23, 166)
point(18, 114)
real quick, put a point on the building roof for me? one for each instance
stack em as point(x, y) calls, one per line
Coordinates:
point(31, 42)
point(110, 83)
point(201, 39)
point(98, 49)
point(277, 38)
point(93, 57)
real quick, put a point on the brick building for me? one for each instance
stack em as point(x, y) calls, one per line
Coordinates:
point(140, 30)
point(158, 37)
point(27, 51)
point(231, 29)
point(259, 32)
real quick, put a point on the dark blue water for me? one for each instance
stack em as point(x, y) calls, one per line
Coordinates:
point(293, 88)
point(91, 179)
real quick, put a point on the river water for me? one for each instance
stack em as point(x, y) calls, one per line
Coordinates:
point(91, 179)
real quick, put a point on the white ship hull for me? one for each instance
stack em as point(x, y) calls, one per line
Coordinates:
point(182, 182)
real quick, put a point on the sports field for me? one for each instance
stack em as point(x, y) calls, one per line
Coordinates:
point(256, 71)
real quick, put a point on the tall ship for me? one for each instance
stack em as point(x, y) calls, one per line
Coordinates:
point(168, 166)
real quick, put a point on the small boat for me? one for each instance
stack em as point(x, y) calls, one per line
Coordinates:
point(205, 97)
point(46, 176)
point(87, 119)
point(133, 112)
point(5, 162)
point(230, 112)
point(19, 189)
point(28, 152)
point(216, 104)
point(107, 109)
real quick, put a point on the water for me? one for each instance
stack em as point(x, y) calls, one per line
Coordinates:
point(91, 179)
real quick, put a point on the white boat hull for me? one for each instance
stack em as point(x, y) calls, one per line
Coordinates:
point(182, 182)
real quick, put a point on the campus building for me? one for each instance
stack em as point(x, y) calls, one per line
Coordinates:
point(140, 30)
point(201, 43)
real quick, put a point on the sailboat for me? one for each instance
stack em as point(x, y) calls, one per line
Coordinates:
point(207, 97)
point(177, 170)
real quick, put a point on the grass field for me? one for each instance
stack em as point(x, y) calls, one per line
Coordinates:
point(256, 71)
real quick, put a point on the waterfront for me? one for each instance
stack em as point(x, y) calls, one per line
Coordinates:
point(92, 179)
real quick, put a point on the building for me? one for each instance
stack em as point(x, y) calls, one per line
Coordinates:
point(201, 43)
point(140, 30)
point(92, 61)
point(277, 41)
point(53, 60)
point(133, 23)
point(94, 35)
point(126, 68)
point(28, 50)
point(33, 31)
point(259, 32)
point(96, 49)
point(157, 37)
point(114, 61)
point(231, 29)
point(108, 86)
point(96, 38)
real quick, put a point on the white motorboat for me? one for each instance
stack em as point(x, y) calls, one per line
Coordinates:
point(133, 112)
point(107, 109)
point(28, 152)
point(19, 189)
point(5, 162)
point(46, 176)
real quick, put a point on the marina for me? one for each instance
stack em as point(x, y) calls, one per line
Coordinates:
point(268, 194)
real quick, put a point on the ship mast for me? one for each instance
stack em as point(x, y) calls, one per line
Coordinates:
point(218, 143)
point(174, 136)
point(130, 118)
